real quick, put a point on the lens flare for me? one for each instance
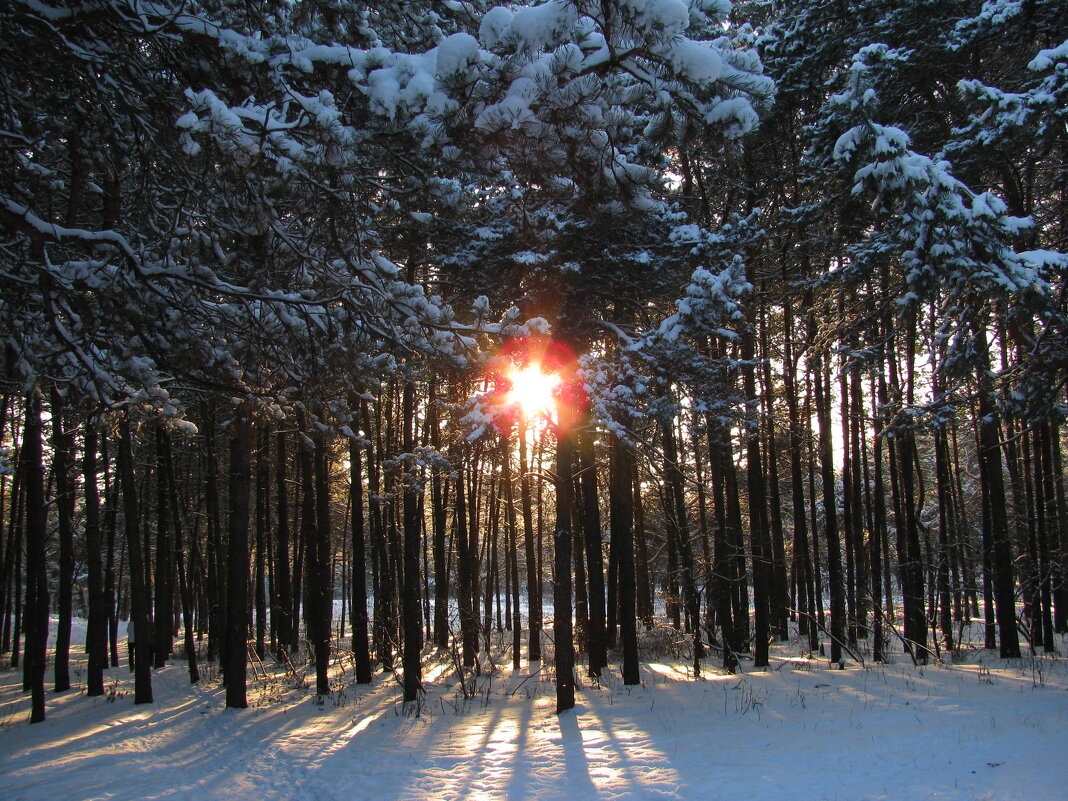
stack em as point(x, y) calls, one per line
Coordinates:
point(532, 390)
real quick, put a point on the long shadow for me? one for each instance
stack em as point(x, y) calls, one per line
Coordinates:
point(518, 787)
point(638, 760)
point(576, 765)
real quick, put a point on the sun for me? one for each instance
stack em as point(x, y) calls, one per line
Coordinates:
point(532, 390)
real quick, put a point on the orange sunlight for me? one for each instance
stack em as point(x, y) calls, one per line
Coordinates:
point(532, 390)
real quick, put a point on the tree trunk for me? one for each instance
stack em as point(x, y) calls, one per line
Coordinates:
point(215, 590)
point(563, 631)
point(516, 623)
point(644, 600)
point(596, 643)
point(96, 632)
point(164, 583)
point(834, 547)
point(465, 579)
point(990, 470)
point(315, 527)
point(263, 525)
point(166, 476)
point(621, 506)
point(31, 465)
point(62, 463)
point(284, 623)
point(534, 605)
point(242, 441)
point(139, 601)
point(410, 599)
point(358, 609)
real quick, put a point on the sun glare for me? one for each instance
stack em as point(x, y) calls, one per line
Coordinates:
point(532, 390)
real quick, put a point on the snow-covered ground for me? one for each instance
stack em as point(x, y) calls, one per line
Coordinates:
point(987, 729)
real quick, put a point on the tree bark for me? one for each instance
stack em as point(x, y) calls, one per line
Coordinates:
point(62, 463)
point(596, 643)
point(96, 630)
point(534, 611)
point(410, 598)
point(242, 441)
point(139, 601)
point(358, 610)
point(621, 506)
point(563, 631)
point(31, 465)
point(164, 581)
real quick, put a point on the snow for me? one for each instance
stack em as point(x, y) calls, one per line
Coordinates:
point(1047, 58)
point(985, 729)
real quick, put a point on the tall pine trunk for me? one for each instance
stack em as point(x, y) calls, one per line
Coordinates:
point(596, 642)
point(621, 510)
point(358, 610)
point(96, 630)
point(410, 603)
point(242, 441)
point(31, 465)
point(139, 600)
point(62, 463)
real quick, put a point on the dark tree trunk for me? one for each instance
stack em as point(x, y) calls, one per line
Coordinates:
point(679, 529)
point(912, 565)
point(621, 519)
point(242, 441)
point(263, 525)
point(513, 550)
point(945, 523)
point(563, 631)
point(5, 549)
point(758, 516)
point(215, 590)
point(533, 573)
point(779, 589)
point(7, 574)
point(383, 575)
point(164, 583)
point(315, 527)
point(439, 522)
point(990, 471)
point(465, 579)
point(834, 547)
point(284, 623)
point(805, 603)
point(852, 583)
point(910, 556)
point(358, 610)
point(96, 634)
point(578, 557)
point(111, 515)
point(62, 463)
point(596, 642)
point(31, 466)
point(410, 599)
point(1047, 542)
point(167, 477)
point(879, 527)
point(721, 554)
point(1060, 575)
point(644, 588)
point(735, 555)
point(139, 600)
point(861, 517)
point(18, 530)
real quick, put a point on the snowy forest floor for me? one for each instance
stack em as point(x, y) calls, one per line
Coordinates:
point(982, 728)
